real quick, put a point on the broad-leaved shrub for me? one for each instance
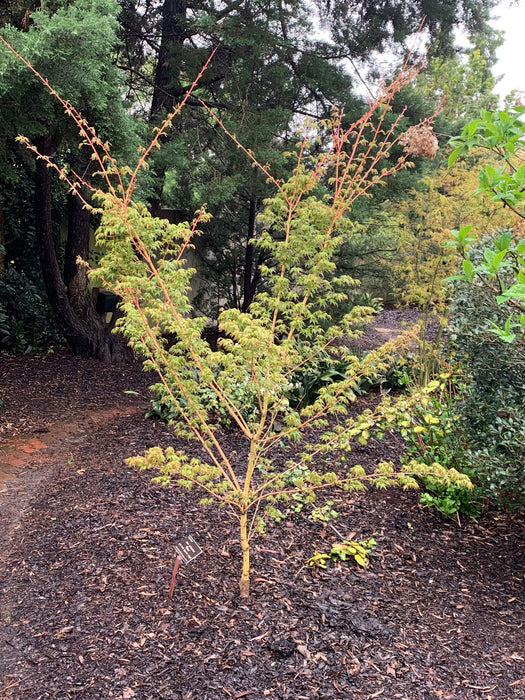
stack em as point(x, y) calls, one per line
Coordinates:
point(492, 412)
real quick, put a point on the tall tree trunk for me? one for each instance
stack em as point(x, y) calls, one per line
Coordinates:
point(167, 86)
point(252, 272)
point(84, 330)
point(2, 240)
point(77, 244)
point(167, 89)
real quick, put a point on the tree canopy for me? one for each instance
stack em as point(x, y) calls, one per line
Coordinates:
point(126, 65)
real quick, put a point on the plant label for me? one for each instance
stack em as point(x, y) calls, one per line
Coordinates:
point(188, 549)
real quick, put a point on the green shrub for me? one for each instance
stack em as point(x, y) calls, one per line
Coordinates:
point(493, 421)
point(434, 437)
point(167, 403)
point(309, 380)
point(305, 386)
point(395, 376)
point(492, 413)
point(360, 298)
point(26, 320)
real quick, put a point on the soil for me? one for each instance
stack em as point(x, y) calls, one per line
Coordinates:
point(87, 547)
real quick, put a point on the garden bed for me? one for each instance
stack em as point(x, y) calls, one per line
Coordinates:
point(88, 546)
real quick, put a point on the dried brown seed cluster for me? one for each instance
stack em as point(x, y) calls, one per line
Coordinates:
point(420, 141)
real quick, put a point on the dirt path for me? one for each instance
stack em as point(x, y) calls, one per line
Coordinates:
point(27, 461)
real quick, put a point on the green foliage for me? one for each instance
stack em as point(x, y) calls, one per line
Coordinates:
point(5, 326)
point(494, 425)
point(488, 320)
point(26, 321)
point(16, 195)
point(442, 202)
point(164, 406)
point(434, 437)
point(502, 132)
point(366, 299)
point(464, 81)
point(70, 45)
point(394, 376)
point(391, 374)
point(365, 25)
point(501, 269)
point(492, 411)
point(308, 381)
point(342, 552)
point(324, 513)
point(435, 458)
point(305, 385)
point(451, 500)
point(501, 272)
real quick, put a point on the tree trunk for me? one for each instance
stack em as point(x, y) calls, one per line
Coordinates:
point(84, 330)
point(252, 272)
point(167, 86)
point(77, 244)
point(2, 240)
point(244, 582)
point(167, 89)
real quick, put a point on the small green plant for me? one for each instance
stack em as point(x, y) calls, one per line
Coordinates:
point(395, 376)
point(164, 407)
point(274, 514)
point(343, 551)
point(432, 435)
point(307, 382)
point(449, 499)
point(324, 513)
point(161, 406)
point(392, 375)
point(359, 298)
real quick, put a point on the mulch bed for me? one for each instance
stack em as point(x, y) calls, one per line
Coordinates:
point(88, 550)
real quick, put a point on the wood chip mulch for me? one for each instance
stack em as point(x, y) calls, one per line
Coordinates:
point(88, 551)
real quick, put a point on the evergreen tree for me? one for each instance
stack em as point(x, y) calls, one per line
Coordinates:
point(70, 45)
point(271, 69)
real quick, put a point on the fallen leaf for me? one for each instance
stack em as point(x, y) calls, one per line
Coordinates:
point(303, 649)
